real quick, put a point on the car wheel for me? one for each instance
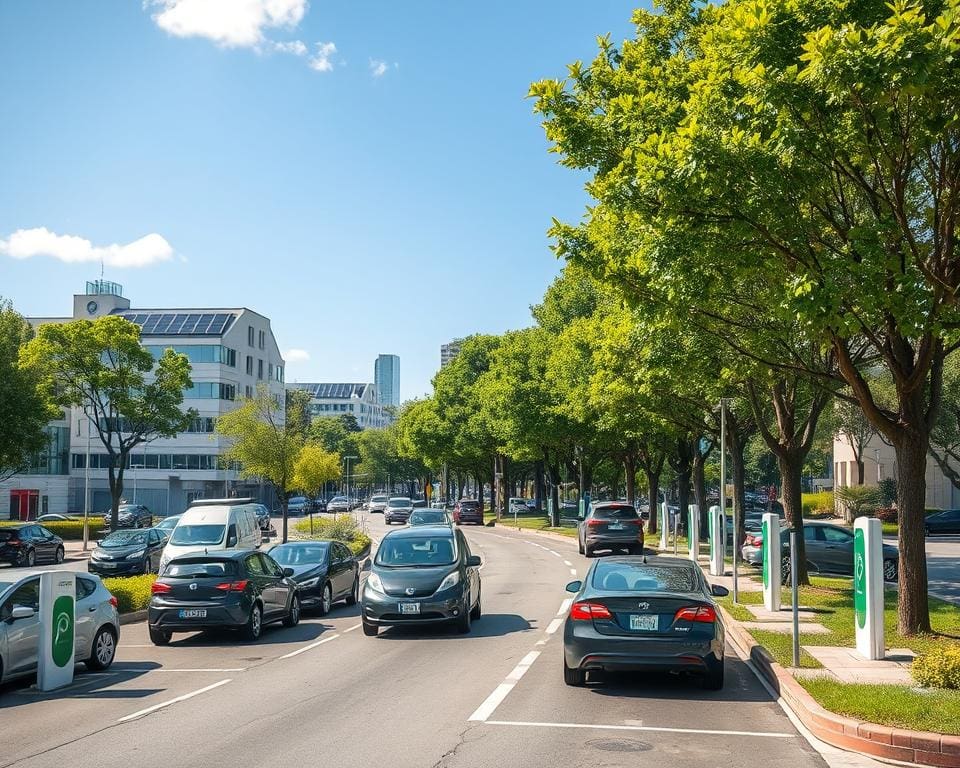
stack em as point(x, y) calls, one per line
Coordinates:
point(326, 602)
point(713, 680)
point(58, 556)
point(160, 636)
point(463, 623)
point(476, 612)
point(588, 552)
point(580, 546)
point(574, 677)
point(104, 649)
point(370, 630)
point(31, 558)
point(293, 617)
point(254, 625)
point(355, 592)
point(889, 570)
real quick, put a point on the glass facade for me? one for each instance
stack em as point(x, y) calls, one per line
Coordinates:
point(172, 461)
point(53, 458)
point(211, 390)
point(386, 376)
point(198, 353)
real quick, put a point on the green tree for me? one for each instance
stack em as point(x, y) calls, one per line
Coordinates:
point(265, 441)
point(131, 398)
point(24, 409)
point(313, 468)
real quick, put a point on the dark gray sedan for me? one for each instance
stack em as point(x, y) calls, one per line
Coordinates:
point(611, 525)
point(325, 571)
point(635, 614)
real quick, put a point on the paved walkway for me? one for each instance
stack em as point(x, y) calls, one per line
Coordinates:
point(848, 666)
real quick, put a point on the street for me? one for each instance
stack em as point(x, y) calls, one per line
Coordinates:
point(416, 698)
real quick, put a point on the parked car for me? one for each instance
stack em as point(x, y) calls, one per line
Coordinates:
point(422, 575)
point(420, 503)
point(468, 511)
point(53, 517)
point(518, 506)
point(263, 516)
point(211, 525)
point(378, 503)
point(829, 549)
point(629, 613)
point(242, 590)
point(430, 517)
point(398, 510)
point(319, 504)
point(338, 504)
point(299, 505)
point(942, 522)
point(128, 552)
point(96, 629)
point(130, 516)
point(325, 571)
point(610, 525)
point(168, 524)
point(28, 544)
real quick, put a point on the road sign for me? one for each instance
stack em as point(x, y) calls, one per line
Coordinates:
point(717, 530)
point(868, 587)
point(58, 593)
point(771, 561)
point(693, 531)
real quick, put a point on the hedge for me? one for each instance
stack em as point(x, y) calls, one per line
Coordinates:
point(70, 530)
point(939, 668)
point(341, 528)
point(132, 592)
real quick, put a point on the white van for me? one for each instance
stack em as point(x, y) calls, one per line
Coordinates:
point(211, 525)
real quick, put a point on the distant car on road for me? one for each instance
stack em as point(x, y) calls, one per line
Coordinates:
point(299, 505)
point(240, 590)
point(56, 518)
point(398, 510)
point(829, 549)
point(128, 552)
point(95, 631)
point(422, 575)
point(319, 504)
point(378, 503)
point(325, 571)
point(430, 517)
point(632, 614)
point(947, 521)
point(28, 544)
point(338, 504)
point(610, 525)
point(468, 511)
point(130, 516)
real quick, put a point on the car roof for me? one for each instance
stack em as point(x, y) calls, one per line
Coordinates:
point(420, 530)
point(19, 574)
point(597, 504)
point(217, 554)
point(18, 526)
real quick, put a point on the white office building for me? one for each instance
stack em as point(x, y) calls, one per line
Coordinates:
point(449, 351)
point(335, 399)
point(231, 351)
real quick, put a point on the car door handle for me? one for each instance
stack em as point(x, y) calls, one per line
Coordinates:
point(92, 609)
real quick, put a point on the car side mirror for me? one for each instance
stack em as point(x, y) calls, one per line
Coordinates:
point(574, 586)
point(231, 541)
point(22, 612)
point(717, 591)
point(474, 561)
point(288, 572)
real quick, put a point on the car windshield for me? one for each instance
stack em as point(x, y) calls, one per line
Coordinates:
point(379, 499)
point(339, 499)
point(194, 569)
point(197, 534)
point(469, 504)
point(416, 551)
point(619, 577)
point(615, 513)
point(401, 503)
point(168, 524)
point(427, 516)
point(124, 539)
point(301, 554)
point(297, 500)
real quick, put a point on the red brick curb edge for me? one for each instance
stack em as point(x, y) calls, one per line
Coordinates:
point(881, 741)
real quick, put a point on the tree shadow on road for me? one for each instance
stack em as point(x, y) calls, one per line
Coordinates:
point(490, 625)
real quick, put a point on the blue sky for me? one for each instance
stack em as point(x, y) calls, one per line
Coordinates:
point(383, 194)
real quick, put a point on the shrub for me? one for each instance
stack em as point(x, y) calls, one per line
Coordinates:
point(858, 500)
point(342, 528)
point(359, 544)
point(888, 490)
point(938, 668)
point(132, 593)
point(71, 530)
point(817, 504)
point(887, 514)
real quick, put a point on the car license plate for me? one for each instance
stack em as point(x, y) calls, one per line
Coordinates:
point(644, 622)
point(108, 565)
point(193, 613)
point(408, 608)
point(615, 527)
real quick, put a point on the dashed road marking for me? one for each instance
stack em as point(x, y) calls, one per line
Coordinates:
point(199, 669)
point(502, 691)
point(658, 729)
point(573, 571)
point(554, 625)
point(565, 606)
point(309, 647)
point(350, 629)
point(568, 563)
point(143, 712)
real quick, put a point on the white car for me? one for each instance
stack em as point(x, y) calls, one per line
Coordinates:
point(378, 503)
point(211, 525)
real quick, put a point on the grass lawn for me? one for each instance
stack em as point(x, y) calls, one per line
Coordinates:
point(531, 523)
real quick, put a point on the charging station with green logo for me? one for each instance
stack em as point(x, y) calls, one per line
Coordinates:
point(771, 561)
point(55, 660)
point(693, 531)
point(868, 587)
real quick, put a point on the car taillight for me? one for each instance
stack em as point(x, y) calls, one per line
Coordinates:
point(589, 612)
point(159, 588)
point(13, 542)
point(233, 586)
point(595, 523)
point(114, 602)
point(701, 613)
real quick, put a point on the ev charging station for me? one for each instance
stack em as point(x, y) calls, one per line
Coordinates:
point(58, 616)
point(868, 587)
point(771, 561)
point(693, 531)
point(664, 526)
point(717, 536)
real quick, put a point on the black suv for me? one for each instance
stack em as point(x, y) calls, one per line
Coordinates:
point(130, 516)
point(28, 544)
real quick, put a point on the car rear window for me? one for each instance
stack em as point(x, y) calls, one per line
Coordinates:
point(624, 512)
point(618, 577)
point(7, 535)
point(469, 504)
point(195, 569)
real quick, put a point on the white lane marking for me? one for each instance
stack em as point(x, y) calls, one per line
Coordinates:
point(199, 669)
point(350, 629)
point(695, 731)
point(554, 625)
point(501, 691)
point(309, 647)
point(565, 606)
point(155, 707)
point(555, 554)
point(568, 563)
point(573, 571)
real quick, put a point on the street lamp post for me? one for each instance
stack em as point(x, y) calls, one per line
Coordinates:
point(347, 460)
point(86, 489)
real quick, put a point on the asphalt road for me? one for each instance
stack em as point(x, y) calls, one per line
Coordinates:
point(943, 567)
point(324, 694)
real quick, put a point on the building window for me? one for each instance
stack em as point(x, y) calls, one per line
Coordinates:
point(260, 369)
point(198, 353)
point(270, 371)
point(263, 340)
point(249, 365)
point(250, 335)
point(280, 373)
point(202, 424)
point(211, 390)
point(248, 391)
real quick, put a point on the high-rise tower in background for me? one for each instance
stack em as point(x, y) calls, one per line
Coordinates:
point(449, 351)
point(386, 376)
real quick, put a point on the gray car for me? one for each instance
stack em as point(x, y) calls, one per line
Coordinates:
point(378, 503)
point(610, 525)
point(97, 627)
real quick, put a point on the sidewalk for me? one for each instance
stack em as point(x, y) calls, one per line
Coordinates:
point(73, 550)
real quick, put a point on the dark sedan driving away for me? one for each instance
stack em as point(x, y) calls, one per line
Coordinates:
point(631, 614)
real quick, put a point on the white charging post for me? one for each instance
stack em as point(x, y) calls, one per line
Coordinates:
point(693, 531)
point(716, 541)
point(868, 587)
point(771, 561)
point(58, 617)
point(664, 527)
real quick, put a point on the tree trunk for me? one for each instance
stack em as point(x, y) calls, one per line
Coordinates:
point(790, 465)
point(283, 508)
point(630, 472)
point(538, 485)
point(700, 490)
point(682, 465)
point(653, 489)
point(553, 473)
point(115, 478)
point(913, 612)
point(739, 485)
point(859, 472)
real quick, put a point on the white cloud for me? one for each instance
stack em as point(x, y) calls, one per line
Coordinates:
point(296, 47)
point(228, 23)
point(40, 241)
point(296, 356)
point(378, 67)
point(321, 61)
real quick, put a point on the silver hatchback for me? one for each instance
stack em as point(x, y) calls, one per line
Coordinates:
point(97, 628)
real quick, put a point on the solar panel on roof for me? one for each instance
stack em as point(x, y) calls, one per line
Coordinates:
point(176, 325)
point(217, 324)
point(181, 323)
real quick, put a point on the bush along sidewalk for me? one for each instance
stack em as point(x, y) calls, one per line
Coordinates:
point(70, 530)
point(132, 592)
point(341, 528)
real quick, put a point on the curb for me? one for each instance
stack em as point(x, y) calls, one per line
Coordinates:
point(133, 617)
point(871, 739)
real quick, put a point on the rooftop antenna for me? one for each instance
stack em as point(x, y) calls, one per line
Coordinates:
point(101, 268)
